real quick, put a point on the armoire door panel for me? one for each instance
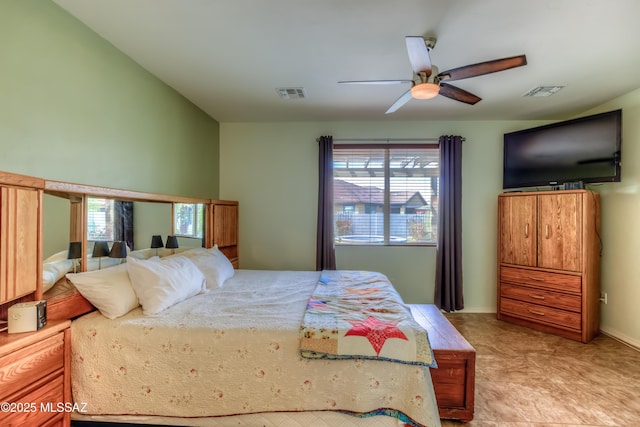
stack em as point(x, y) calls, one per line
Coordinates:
point(559, 231)
point(518, 230)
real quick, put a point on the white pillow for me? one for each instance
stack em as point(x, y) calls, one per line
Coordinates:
point(215, 266)
point(149, 252)
point(163, 282)
point(58, 256)
point(142, 253)
point(225, 268)
point(94, 264)
point(53, 271)
point(109, 290)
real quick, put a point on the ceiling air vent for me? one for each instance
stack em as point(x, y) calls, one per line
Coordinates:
point(291, 92)
point(543, 91)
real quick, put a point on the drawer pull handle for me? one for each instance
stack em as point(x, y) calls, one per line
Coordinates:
point(538, 313)
point(534, 296)
point(526, 230)
point(537, 279)
point(546, 230)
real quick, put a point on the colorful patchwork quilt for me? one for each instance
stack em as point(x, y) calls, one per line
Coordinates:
point(360, 315)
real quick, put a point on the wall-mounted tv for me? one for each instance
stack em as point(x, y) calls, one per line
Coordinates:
point(586, 149)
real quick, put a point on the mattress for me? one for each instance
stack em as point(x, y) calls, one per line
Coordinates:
point(235, 351)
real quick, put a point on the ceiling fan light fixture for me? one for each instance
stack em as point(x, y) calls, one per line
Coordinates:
point(425, 91)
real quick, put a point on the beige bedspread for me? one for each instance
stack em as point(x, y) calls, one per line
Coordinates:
point(231, 351)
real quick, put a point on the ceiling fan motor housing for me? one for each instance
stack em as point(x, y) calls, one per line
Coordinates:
point(430, 42)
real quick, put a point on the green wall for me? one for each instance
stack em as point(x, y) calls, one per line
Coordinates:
point(73, 108)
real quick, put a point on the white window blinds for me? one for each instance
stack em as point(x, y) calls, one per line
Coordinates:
point(386, 194)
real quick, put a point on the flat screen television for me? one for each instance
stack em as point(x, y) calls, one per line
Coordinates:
point(585, 149)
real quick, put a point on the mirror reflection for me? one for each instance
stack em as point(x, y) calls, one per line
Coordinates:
point(108, 222)
point(56, 232)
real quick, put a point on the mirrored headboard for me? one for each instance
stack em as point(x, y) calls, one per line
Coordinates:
point(60, 217)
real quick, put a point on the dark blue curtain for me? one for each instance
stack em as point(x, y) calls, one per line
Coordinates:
point(123, 223)
point(325, 252)
point(448, 289)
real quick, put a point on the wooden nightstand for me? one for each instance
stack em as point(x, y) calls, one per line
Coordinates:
point(34, 376)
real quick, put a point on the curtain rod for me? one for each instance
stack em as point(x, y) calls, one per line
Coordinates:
point(385, 139)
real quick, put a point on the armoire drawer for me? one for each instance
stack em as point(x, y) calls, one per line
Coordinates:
point(28, 364)
point(541, 279)
point(542, 297)
point(541, 314)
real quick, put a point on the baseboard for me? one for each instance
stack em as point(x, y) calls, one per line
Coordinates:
point(479, 310)
point(624, 339)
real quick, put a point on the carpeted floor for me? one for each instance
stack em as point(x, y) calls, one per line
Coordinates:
point(526, 378)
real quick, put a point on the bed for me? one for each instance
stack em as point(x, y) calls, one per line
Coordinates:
point(233, 353)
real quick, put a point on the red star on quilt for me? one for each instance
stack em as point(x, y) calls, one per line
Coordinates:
point(376, 331)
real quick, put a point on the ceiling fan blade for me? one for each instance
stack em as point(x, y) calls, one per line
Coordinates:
point(458, 94)
point(406, 97)
point(418, 55)
point(374, 82)
point(484, 68)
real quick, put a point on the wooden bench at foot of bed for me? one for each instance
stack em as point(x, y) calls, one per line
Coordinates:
point(454, 378)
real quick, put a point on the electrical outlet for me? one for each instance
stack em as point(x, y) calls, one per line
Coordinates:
point(603, 297)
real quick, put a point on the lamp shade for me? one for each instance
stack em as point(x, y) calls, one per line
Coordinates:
point(118, 250)
point(100, 249)
point(172, 242)
point(425, 90)
point(156, 242)
point(75, 250)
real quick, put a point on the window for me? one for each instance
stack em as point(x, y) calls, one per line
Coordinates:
point(386, 194)
point(188, 219)
point(100, 219)
point(348, 209)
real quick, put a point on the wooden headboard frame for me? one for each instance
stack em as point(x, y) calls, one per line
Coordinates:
point(221, 225)
point(13, 274)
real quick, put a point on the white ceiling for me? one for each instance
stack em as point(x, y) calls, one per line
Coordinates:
point(229, 56)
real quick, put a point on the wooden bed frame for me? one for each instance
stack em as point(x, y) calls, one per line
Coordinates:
point(454, 378)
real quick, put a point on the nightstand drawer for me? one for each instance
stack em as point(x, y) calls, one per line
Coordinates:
point(37, 408)
point(28, 364)
point(542, 314)
point(542, 297)
point(542, 279)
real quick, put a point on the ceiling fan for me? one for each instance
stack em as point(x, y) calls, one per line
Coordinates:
point(428, 82)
